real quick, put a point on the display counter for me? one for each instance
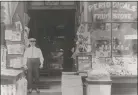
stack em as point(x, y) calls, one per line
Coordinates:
point(121, 85)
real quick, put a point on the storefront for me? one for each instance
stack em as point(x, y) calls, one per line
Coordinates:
point(113, 30)
point(106, 38)
point(53, 24)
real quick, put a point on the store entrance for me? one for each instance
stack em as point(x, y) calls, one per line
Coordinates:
point(54, 31)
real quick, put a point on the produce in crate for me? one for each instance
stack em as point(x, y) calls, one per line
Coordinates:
point(98, 74)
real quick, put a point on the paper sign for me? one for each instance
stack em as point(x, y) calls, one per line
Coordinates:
point(15, 49)
point(16, 62)
point(12, 35)
point(84, 62)
point(8, 34)
point(130, 36)
point(16, 36)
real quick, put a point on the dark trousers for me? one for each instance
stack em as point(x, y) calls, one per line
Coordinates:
point(33, 72)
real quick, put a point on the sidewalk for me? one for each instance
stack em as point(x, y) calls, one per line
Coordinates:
point(54, 89)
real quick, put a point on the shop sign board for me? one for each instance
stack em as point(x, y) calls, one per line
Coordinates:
point(115, 11)
point(130, 36)
point(84, 62)
point(59, 3)
point(51, 2)
point(124, 11)
point(100, 10)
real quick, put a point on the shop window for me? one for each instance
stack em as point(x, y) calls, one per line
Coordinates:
point(101, 38)
point(114, 28)
point(124, 39)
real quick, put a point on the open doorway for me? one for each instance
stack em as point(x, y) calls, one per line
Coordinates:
point(55, 33)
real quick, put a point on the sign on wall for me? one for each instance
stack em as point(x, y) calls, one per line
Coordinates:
point(15, 49)
point(100, 11)
point(12, 35)
point(84, 62)
point(113, 11)
point(124, 11)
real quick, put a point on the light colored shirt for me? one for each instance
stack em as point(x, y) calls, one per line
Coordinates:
point(33, 52)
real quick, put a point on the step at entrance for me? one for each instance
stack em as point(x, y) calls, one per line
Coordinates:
point(49, 82)
point(50, 72)
point(43, 85)
point(46, 93)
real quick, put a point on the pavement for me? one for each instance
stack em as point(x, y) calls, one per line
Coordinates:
point(54, 86)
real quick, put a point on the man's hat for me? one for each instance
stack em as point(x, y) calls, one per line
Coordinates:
point(32, 39)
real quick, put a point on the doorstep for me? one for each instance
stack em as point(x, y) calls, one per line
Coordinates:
point(46, 93)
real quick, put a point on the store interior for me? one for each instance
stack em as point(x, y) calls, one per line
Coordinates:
point(54, 31)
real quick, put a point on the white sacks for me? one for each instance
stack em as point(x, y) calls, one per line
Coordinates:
point(72, 85)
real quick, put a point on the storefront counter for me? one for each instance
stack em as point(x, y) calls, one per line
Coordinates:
point(124, 85)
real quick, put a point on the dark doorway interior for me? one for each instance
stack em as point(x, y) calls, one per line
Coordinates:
point(54, 30)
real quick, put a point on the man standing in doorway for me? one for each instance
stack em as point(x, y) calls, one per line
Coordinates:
point(33, 60)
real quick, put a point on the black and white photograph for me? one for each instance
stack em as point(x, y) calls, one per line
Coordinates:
point(69, 47)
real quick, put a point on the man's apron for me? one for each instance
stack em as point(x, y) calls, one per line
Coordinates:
point(33, 72)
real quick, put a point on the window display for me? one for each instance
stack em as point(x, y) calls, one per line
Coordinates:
point(101, 40)
point(114, 36)
point(124, 39)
